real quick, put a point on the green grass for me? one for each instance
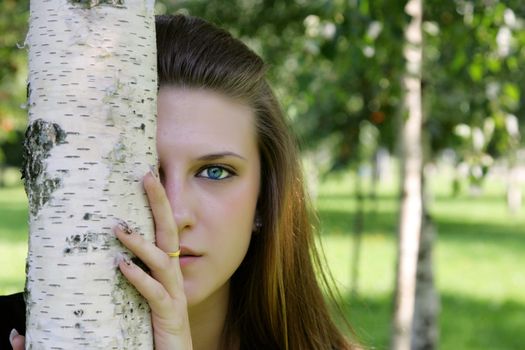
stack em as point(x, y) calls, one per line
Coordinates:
point(479, 260)
point(13, 239)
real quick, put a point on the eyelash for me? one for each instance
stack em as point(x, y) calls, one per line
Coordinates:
point(228, 170)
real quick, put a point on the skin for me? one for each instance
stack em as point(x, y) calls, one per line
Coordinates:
point(204, 201)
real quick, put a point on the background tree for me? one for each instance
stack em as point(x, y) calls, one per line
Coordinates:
point(90, 139)
point(411, 159)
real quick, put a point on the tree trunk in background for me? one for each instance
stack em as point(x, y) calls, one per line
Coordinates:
point(514, 196)
point(425, 332)
point(2, 174)
point(90, 139)
point(374, 182)
point(411, 173)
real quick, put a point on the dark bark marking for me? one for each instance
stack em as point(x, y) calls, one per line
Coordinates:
point(87, 4)
point(40, 138)
point(142, 127)
point(85, 242)
point(118, 154)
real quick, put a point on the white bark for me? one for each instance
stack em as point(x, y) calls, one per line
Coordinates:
point(425, 331)
point(91, 138)
point(411, 172)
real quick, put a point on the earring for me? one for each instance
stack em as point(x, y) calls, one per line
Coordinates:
point(257, 224)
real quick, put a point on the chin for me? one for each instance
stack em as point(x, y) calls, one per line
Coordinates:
point(205, 295)
point(195, 294)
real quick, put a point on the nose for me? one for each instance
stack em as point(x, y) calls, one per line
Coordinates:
point(181, 200)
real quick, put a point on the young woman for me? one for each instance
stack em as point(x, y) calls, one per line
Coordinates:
point(230, 196)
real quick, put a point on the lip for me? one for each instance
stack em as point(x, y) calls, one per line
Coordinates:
point(188, 256)
point(187, 252)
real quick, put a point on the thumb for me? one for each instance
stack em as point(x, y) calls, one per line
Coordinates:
point(17, 341)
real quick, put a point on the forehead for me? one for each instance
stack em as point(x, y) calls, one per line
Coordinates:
point(196, 115)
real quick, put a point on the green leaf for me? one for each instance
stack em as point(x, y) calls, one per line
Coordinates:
point(476, 72)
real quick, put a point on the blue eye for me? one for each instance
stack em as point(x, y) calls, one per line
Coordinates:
point(215, 173)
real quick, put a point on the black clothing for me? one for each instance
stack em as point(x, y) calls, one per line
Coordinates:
point(12, 315)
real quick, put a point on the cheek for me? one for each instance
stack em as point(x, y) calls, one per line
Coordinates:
point(229, 231)
point(235, 203)
point(238, 209)
point(230, 217)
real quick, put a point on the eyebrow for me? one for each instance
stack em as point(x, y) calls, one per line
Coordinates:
point(215, 156)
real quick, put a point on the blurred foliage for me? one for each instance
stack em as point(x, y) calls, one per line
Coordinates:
point(337, 65)
point(334, 64)
point(473, 82)
point(13, 73)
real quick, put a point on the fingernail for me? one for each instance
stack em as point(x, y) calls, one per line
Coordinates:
point(127, 260)
point(124, 227)
point(154, 171)
point(122, 257)
point(12, 335)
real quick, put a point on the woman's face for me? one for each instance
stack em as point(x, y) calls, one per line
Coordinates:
point(210, 168)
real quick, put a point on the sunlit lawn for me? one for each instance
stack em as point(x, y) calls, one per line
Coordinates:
point(479, 256)
point(13, 239)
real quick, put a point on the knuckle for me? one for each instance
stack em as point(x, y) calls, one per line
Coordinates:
point(161, 264)
point(161, 296)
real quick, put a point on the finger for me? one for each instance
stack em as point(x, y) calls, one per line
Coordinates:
point(17, 341)
point(166, 235)
point(163, 268)
point(161, 302)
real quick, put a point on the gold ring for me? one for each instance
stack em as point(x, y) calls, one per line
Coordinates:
point(174, 254)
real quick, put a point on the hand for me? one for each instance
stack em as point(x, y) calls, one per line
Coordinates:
point(17, 341)
point(163, 289)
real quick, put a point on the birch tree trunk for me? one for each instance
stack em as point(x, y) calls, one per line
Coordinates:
point(425, 333)
point(411, 172)
point(90, 139)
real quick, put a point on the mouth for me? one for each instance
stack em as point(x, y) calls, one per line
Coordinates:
point(188, 258)
point(186, 252)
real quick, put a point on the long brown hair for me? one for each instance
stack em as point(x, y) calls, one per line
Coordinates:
point(276, 301)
